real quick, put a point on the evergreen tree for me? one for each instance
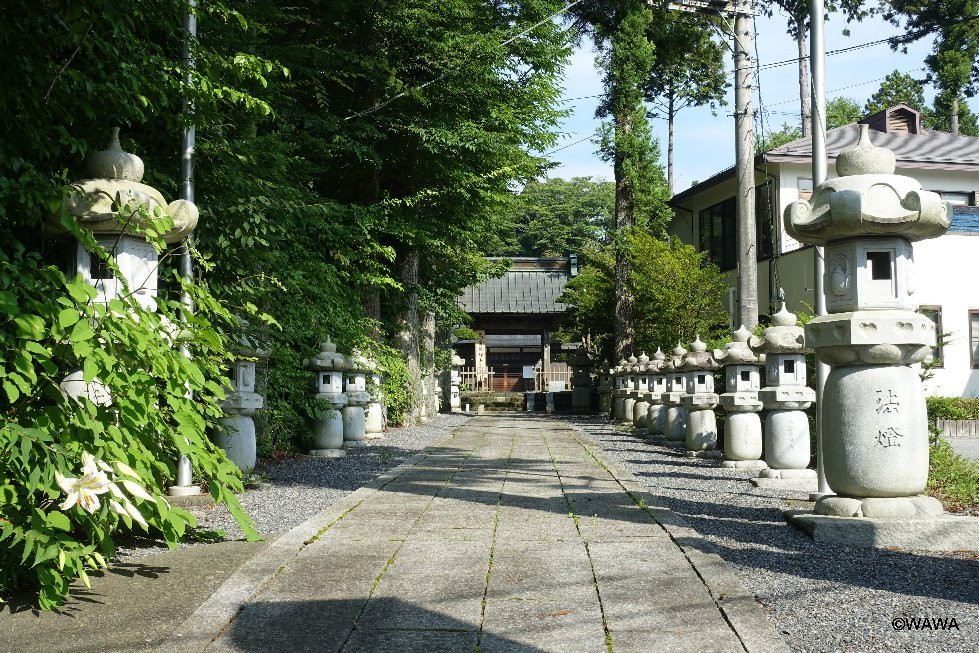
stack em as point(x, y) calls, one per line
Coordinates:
point(897, 88)
point(842, 111)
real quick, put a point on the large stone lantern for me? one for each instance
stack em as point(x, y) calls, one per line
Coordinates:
point(354, 413)
point(675, 424)
point(656, 415)
point(237, 433)
point(455, 380)
point(116, 182)
point(700, 400)
point(742, 428)
point(631, 389)
point(621, 379)
point(330, 367)
point(786, 397)
point(641, 409)
point(374, 413)
point(875, 430)
point(581, 365)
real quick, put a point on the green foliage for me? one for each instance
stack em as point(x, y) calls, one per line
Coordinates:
point(940, 117)
point(897, 88)
point(465, 333)
point(557, 217)
point(842, 111)
point(952, 479)
point(680, 295)
point(785, 134)
point(952, 408)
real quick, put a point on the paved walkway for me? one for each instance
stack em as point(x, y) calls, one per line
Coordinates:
point(509, 535)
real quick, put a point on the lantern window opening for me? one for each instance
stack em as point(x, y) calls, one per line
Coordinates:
point(790, 366)
point(100, 267)
point(880, 266)
point(701, 379)
point(745, 375)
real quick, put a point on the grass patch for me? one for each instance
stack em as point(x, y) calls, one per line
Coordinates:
point(952, 479)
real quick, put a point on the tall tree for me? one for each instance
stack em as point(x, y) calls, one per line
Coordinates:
point(897, 88)
point(953, 65)
point(621, 30)
point(944, 108)
point(798, 27)
point(557, 217)
point(842, 111)
point(688, 72)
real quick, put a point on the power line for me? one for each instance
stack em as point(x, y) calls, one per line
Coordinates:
point(564, 147)
point(844, 88)
point(381, 105)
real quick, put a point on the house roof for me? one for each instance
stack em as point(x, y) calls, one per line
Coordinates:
point(532, 286)
point(927, 149)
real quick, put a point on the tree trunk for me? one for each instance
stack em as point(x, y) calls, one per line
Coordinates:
point(954, 118)
point(804, 91)
point(406, 337)
point(372, 308)
point(670, 118)
point(624, 331)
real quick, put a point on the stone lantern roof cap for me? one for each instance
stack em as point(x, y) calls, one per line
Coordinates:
point(783, 337)
point(328, 359)
point(458, 361)
point(116, 180)
point(698, 358)
point(867, 199)
point(736, 352)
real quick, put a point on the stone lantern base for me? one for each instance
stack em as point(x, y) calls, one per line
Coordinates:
point(938, 533)
point(801, 480)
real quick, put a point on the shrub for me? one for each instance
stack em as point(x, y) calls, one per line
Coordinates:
point(75, 473)
point(952, 479)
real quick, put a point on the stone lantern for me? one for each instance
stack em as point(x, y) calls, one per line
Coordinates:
point(605, 389)
point(115, 182)
point(354, 414)
point(455, 379)
point(621, 378)
point(700, 400)
point(329, 366)
point(631, 389)
point(656, 414)
point(374, 415)
point(786, 396)
point(675, 423)
point(237, 433)
point(581, 381)
point(742, 428)
point(875, 430)
point(641, 409)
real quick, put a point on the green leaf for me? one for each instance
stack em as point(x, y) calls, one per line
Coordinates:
point(81, 332)
point(67, 317)
point(90, 369)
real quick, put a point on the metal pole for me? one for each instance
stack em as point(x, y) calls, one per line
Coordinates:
point(817, 59)
point(745, 152)
point(183, 484)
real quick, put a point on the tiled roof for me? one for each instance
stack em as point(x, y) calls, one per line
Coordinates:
point(929, 147)
point(965, 219)
point(518, 291)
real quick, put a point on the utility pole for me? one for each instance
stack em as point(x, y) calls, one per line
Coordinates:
point(744, 40)
point(745, 154)
point(817, 60)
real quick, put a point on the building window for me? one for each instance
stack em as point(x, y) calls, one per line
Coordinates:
point(974, 337)
point(956, 198)
point(934, 313)
point(719, 229)
point(804, 186)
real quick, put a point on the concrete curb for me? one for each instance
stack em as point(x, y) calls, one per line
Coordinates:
point(215, 614)
point(736, 603)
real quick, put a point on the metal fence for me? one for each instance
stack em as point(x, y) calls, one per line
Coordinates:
point(958, 428)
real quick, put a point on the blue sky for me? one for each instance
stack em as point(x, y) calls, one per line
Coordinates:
point(705, 143)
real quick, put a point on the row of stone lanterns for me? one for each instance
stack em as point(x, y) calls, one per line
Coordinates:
point(353, 415)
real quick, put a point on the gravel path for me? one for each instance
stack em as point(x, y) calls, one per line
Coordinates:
point(822, 598)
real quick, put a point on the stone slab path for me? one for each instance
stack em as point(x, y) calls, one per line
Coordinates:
point(509, 535)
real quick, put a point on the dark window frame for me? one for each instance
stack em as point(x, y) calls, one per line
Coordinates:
point(973, 338)
point(718, 229)
point(934, 312)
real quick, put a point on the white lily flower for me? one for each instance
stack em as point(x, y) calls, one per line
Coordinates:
point(84, 491)
point(117, 508)
point(116, 492)
point(136, 490)
point(105, 467)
